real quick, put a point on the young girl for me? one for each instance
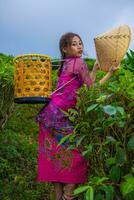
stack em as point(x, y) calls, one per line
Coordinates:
point(58, 164)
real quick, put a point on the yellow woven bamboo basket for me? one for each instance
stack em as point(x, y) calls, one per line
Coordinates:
point(112, 46)
point(32, 75)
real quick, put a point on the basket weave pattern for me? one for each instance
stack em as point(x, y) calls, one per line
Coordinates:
point(32, 76)
point(112, 46)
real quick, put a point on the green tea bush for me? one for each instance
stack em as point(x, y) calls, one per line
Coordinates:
point(18, 157)
point(104, 117)
point(6, 88)
point(18, 143)
point(128, 62)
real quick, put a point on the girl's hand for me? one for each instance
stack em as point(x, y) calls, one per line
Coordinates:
point(109, 74)
point(94, 70)
point(113, 69)
point(96, 66)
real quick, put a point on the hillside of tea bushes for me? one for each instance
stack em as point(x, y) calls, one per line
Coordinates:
point(105, 119)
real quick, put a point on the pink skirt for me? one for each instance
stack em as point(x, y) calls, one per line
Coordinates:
point(58, 163)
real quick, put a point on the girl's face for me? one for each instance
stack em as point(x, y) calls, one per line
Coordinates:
point(76, 48)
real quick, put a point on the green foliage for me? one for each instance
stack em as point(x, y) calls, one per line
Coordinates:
point(104, 127)
point(18, 157)
point(89, 62)
point(6, 87)
point(18, 142)
point(6, 68)
point(130, 144)
point(54, 78)
point(129, 61)
point(96, 189)
point(105, 120)
point(127, 187)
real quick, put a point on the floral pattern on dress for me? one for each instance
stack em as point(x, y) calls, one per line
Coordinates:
point(62, 163)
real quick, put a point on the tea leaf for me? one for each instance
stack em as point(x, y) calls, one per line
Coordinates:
point(80, 140)
point(90, 193)
point(130, 144)
point(110, 139)
point(111, 161)
point(81, 189)
point(87, 152)
point(109, 191)
point(120, 156)
point(93, 106)
point(99, 196)
point(127, 186)
point(120, 110)
point(63, 140)
point(110, 110)
point(115, 173)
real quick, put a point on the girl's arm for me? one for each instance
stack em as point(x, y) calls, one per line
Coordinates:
point(89, 78)
point(93, 72)
point(108, 75)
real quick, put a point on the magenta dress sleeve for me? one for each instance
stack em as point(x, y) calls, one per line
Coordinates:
point(81, 69)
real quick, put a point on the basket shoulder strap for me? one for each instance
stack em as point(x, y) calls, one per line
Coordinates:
point(62, 86)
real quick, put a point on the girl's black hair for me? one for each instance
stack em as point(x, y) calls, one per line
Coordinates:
point(65, 41)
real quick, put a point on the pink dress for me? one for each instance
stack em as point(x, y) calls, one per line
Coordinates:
point(57, 163)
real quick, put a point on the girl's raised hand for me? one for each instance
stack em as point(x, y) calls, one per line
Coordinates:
point(110, 72)
point(113, 68)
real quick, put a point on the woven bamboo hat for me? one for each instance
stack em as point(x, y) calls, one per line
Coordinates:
point(112, 46)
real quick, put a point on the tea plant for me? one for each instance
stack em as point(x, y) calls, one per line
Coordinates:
point(104, 129)
point(105, 120)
